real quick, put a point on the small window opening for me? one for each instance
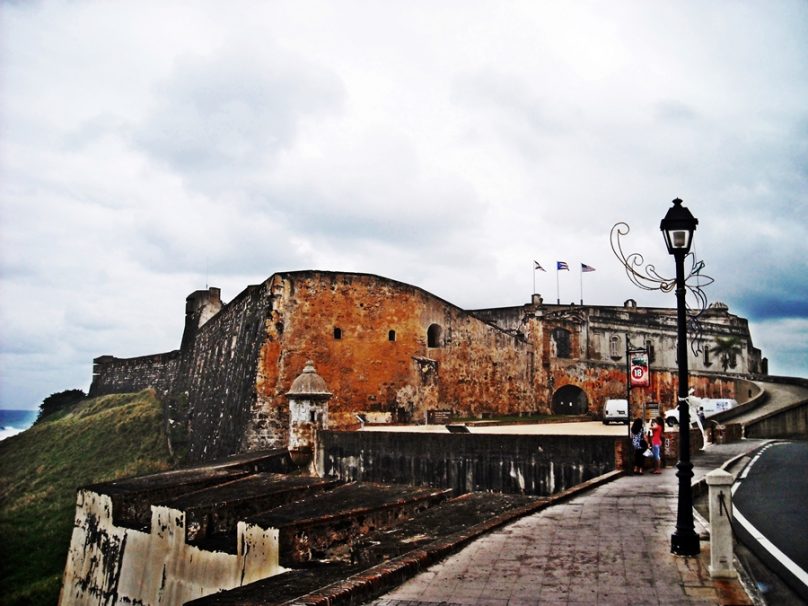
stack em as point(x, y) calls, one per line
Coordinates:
point(651, 353)
point(434, 335)
point(562, 341)
point(615, 347)
point(391, 335)
point(337, 333)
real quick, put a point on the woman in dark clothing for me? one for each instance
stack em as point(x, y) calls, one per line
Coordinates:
point(639, 445)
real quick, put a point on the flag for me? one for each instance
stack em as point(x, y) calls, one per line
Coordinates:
point(585, 267)
point(537, 265)
point(562, 265)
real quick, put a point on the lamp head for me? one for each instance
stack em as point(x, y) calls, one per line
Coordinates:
point(678, 227)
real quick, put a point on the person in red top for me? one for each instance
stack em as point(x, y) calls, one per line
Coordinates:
point(655, 437)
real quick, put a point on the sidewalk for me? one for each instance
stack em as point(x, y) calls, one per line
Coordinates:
point(608, 546)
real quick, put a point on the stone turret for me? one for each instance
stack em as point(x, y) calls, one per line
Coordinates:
point(308, 413)
point(200, 306)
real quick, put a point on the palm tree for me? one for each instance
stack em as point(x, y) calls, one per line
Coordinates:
point(727, 349)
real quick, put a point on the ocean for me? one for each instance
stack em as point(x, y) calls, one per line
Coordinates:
point(14, 421)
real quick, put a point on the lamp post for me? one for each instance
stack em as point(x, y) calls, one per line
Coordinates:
point(678, 227)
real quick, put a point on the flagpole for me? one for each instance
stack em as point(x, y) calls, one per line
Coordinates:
point(558, 293)
point(534, 278)
point(582, 285)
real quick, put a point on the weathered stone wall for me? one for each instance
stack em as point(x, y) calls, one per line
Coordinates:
point(522, 464)
point(110, 564)
point(369, 339)
point(601, 381)
point(383, 346)
point(218, 378)
point(121, 375)
point(789, 423)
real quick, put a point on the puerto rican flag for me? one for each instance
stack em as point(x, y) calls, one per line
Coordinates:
point(562, 265)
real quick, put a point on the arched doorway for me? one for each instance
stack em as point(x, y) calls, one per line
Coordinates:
point(570, 400)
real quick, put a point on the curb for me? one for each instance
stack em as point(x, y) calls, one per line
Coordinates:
point(383, 577)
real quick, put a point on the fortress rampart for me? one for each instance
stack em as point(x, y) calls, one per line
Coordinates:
point(388, 347)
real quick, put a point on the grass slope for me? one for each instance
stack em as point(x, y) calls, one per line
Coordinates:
point(96, 440)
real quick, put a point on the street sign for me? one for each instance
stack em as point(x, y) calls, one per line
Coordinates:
point(639, 375)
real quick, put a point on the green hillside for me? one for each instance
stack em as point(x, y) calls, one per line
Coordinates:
point(96, 440)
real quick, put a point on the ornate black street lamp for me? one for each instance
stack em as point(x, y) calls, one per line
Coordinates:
point(678, 227)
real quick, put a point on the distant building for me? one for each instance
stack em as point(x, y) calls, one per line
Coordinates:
point(384, 346)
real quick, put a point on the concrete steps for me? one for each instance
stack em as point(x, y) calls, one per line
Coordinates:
point(436, 530)
point(324, 526)
point(212, 513)
point(132, 497)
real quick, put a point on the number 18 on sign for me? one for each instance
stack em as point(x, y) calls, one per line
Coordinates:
point(638, 369)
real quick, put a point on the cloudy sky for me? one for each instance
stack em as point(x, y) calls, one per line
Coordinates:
point(150, 148)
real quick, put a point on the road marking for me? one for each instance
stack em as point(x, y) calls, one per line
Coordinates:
point(754, 460)
point(787, 562)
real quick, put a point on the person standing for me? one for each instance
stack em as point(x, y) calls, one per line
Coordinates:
point(638, 444)
point(655, 436)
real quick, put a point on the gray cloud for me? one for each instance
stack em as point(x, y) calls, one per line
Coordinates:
point(223, 116)
point(150, 149)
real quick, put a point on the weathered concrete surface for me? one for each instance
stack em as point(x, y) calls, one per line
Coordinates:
point(215, 511)
point(126, 549)
point(519, 464)
point(110, 564)
point(314, 528)
point(132, 497)
point(386, 559)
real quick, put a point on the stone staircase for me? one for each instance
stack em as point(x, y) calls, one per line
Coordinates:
point(253, 528)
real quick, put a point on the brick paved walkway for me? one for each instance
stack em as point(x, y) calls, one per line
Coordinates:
point(608, 546)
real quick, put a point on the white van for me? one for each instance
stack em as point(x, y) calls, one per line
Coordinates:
point(711, 407)
point(615, 411)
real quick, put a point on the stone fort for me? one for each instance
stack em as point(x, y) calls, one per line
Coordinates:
point(392, 351)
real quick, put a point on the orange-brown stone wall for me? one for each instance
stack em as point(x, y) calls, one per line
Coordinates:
point(476, 368)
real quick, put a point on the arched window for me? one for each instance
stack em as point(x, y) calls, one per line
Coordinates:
point(562, 341)
point(337, 333)
point(434, 336)
point(614, 347)
point(391, 335)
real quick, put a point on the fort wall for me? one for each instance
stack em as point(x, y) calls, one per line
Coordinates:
point(385, 346)
point(519, 464)
point(216, 393)
point(122, 375)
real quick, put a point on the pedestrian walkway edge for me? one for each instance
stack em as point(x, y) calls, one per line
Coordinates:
point(379, 579)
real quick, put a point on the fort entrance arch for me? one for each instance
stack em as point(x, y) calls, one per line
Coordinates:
point(570, 400)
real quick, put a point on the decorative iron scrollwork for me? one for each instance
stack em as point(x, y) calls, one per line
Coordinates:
point(645, 276)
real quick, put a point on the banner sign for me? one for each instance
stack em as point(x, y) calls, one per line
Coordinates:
point(638, 373)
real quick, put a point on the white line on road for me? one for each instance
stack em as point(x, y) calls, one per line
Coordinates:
point(787, 562)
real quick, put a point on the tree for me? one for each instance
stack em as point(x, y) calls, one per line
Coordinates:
point(59, 401)
point(727, 349)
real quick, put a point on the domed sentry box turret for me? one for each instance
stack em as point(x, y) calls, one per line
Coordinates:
point(308, 413)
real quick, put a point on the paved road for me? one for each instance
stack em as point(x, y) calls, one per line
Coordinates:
point(780, 396)
point(771, 507)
